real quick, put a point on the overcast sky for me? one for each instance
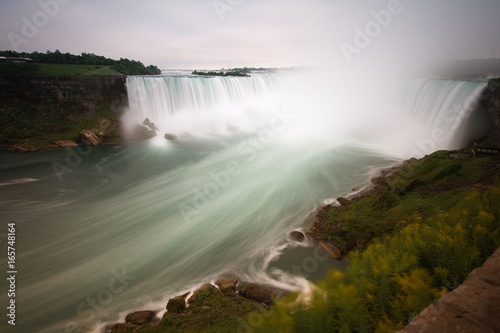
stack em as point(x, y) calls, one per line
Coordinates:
point(232, 33)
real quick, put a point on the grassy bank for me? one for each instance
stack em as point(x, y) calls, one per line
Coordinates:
point(213, 312)
point(412, 238)
point(419, 189)
point(416, 236)
point(70, 70)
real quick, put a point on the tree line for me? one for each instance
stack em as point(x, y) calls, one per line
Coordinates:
point(124, 65)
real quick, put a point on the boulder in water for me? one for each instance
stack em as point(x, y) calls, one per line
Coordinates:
point(170, 136)
point(331, 249)
point(177, 304)
point(141, 132)
point(227, 284)
point(258, 293)
point(297, 236)
point(140, 317)
point(149, 124)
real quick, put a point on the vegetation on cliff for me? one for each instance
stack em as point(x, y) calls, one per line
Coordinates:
point(37, 111)
point(85, 61)
point(242, 72)
point(430, 225)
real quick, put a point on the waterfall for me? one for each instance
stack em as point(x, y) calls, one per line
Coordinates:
point(178, 214)
point(444, 107)
point(430, 117)
point(163, 98)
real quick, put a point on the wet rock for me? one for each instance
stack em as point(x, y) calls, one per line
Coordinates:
point(227, 284)
point(89, 138)
point(343, 201)
point(122, 327)
point(65, 143)
point(149, 124)
point(331, 249)
point(297, 236)
point(141, 132)
point(140, 317)
point(258, 293)
point(177, 304)
point(170, 136)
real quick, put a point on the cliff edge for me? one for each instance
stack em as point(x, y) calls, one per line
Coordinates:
point(473, 307)
point(491, 102)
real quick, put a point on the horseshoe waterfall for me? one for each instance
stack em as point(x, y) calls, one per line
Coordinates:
point(136, 223)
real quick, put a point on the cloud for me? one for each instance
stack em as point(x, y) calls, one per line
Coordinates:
point(191, 34)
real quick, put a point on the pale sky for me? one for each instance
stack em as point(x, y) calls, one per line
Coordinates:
point(211, 34)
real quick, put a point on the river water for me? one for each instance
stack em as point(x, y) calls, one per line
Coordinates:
point(102, 231)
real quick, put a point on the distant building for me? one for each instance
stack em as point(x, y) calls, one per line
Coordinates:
point(15, 59)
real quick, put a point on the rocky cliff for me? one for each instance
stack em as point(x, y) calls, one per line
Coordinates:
point(41, 112)
point(491, 102)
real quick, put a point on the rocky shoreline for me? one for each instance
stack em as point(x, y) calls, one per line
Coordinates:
point(260, 297)
point(209, 303)
point(377, 185)
point(185, 308)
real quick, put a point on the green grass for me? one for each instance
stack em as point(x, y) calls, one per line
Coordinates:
point(428, 228)
point(34, 128)
point(70, 70)
point(226, 312)
point(420, 190)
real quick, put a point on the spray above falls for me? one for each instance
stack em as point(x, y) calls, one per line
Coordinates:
point(424, 116)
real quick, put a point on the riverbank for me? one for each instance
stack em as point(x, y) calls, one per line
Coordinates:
point(411, 238)
point(415, 189)
point(399, 198)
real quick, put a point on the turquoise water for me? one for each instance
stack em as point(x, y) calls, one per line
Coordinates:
point(112, 229)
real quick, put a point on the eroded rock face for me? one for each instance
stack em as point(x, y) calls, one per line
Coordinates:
point(140, 317)
point(473, 307)
point(491, 101)
point(258, 293)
